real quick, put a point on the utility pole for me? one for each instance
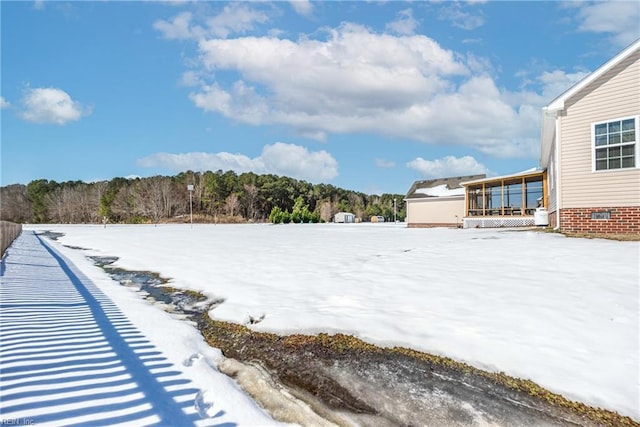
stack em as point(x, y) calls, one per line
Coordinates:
point(190, 188)
point(395, 214)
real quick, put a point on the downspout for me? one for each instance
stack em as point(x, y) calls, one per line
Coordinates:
point(553, 158)
point(524, 197)
point(484, 201)
point(558, 169)
point(466, 203)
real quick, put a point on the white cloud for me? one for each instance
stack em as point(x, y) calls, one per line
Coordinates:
point(177, 3)
point(460, 18)
point(179, 28)
point(191, 78)
point(235, 18)
point(302, 7)
point(279, 158)
point(618, 18)
point(404, 24)
point(38, 5)
point(242, 103)
point(51, 105)
point(4, 103)
point(542, 89)
point(448, 166)
point(296, 161)
point(555, 82)
point(355, 80)
point(385, 164)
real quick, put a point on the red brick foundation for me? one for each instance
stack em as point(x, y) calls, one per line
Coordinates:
point(553, 219)
point(623, 220)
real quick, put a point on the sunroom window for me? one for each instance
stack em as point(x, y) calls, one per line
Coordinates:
point(615, 144)
point(507, 196)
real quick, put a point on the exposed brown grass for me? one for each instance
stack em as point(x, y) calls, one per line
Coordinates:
point(626, 237)
point(618, 237)
point(228, 336)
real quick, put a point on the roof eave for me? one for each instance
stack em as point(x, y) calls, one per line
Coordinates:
point(523, 174)
point(433, 198)
point(559, 103)
point(550, 112)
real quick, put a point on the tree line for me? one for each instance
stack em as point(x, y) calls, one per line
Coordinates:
point(220, 197)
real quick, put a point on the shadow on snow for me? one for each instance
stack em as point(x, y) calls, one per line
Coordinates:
point(69, 353)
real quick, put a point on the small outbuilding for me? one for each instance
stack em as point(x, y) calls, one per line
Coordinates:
point(437, 202)
point(344, 218)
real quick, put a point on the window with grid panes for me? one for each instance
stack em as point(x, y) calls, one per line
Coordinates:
point(615, 144)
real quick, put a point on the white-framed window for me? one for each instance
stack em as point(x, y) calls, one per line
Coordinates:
point(615, 144)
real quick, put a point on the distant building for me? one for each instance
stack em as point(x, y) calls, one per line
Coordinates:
point(344, 217)
point(437, 202)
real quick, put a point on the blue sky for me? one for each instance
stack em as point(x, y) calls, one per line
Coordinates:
point(368, 96)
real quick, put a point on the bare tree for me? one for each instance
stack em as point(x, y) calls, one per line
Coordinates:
point(198, 192)
point(158, 198)
point(124, 203)
point(61, 206)
point(74, 203)
point(231, 204)
point(250, 197)
point(356, 202)
point(86, 202)
point(151, 198)
point(14, 204)
point(327, 210)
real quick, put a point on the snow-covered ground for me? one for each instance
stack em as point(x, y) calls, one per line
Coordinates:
point(91, 352)
point(562, 312)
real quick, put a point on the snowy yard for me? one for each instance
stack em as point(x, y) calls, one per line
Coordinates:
point(562, 312)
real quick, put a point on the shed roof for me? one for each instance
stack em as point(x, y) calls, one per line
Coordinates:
point(525, 173)
point(438, 186)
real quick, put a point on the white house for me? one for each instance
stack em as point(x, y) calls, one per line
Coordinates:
point(588, 177)
point(591, 149)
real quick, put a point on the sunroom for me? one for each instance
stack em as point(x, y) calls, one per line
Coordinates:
point(505, 201)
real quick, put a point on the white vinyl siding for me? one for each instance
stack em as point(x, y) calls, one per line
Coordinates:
point(616, 94)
